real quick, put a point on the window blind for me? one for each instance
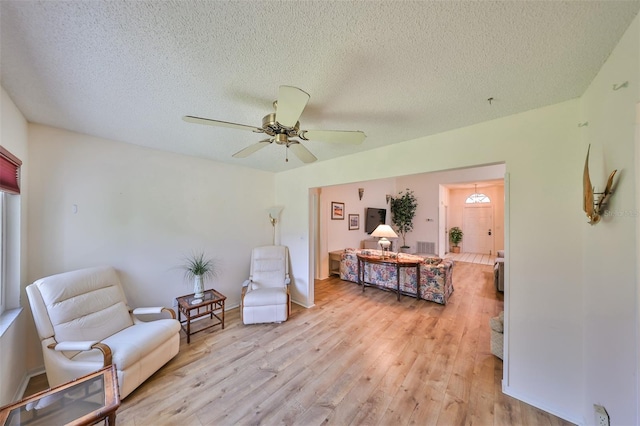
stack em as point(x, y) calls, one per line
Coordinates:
point(9, 172)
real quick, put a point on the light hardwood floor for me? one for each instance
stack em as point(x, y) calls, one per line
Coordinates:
point(484, 259)
point(353, 359)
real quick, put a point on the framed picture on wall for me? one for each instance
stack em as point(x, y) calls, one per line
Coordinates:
point(337, 210)
point(354, 222)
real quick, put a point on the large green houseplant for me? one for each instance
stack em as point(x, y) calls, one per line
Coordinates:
point(455, 236)
point(197, 268)
point(403, 210)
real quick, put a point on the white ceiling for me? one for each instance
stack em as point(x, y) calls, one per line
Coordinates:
point(397, 70)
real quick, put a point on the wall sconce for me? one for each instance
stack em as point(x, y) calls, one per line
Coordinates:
point(593, 207)
point(360, 192)
point(388, 198)
point(274, 215)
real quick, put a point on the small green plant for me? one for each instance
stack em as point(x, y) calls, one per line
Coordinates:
point(196, 265)
point(455, 235)
point(403, 210)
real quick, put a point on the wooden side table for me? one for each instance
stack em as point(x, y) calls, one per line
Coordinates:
point(212, 304)
point(84, 401)
point(398, 263)
point(334, 262)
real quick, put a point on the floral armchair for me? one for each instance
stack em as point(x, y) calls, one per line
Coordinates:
point(435, 274)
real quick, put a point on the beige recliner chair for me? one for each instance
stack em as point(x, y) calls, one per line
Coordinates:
point(84, 323)
point(265, 295)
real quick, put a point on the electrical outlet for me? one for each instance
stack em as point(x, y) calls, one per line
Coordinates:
point(600, 415)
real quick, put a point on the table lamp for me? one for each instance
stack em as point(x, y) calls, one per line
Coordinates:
point(384, 232)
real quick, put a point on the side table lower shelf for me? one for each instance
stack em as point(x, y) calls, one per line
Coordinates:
point(334, 262)
point(212, 305)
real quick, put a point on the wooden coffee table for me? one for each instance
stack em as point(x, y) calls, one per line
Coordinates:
point(84, 401)
point(211, 304)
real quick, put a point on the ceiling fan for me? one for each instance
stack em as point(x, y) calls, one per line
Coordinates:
point(283, 125)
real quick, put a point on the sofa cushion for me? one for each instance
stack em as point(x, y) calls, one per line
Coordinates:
point(266, 296)
point(94, 326)
point(497, 335)
point(86, 304)
point(133, 343)
point(432, 260)
point(497, 344)
point(497, 323)
point(269, 266)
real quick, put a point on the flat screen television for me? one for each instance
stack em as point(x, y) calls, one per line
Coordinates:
point(373, 218)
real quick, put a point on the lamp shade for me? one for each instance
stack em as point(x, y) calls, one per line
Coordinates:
point(384, 231)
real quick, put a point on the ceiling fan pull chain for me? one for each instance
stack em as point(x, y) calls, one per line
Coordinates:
point(286, 154)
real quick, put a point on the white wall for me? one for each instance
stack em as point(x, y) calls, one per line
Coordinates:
point(541, 151)
point(142, 211)
point(374, 196)
point(335, 234)
point(426, 187)
point(13, 366)
point(610, 254)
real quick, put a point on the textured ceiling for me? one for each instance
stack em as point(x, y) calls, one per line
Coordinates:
point(397, 70)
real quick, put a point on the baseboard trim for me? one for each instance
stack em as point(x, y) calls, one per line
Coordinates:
point(25, 382)
point(302, 304)
point(538, 404)
point(228, 308)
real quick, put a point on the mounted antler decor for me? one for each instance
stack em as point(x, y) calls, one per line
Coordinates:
point(592, 207)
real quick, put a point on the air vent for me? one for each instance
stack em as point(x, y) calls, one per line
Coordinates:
point(426, 247)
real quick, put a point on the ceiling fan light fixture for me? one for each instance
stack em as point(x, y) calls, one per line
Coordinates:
point(281, 139)
point(284, 124)
point(271, 127)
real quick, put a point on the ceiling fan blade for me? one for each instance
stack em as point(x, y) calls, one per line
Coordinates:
point(199, 120)
point(301, 152)
point(251, 149)
point(334, 136)
point(291, 103)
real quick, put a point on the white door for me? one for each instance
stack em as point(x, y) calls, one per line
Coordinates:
point(477, 229)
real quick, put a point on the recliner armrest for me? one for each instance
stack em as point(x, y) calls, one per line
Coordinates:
point(73, 346)
point(84, 346)
point(153, 310)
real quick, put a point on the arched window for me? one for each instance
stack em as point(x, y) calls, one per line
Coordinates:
point(477, 198)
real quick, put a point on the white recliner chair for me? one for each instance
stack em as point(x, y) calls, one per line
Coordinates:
point(84, 323)
point(265, 295)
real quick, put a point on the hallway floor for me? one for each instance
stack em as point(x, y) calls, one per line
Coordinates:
point(483, 259)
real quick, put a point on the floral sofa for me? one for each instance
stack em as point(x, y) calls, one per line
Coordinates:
point(435, 274)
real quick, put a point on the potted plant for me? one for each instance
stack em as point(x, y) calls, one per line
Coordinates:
point(197, 268)
point(455, 236)
point(403, 210)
